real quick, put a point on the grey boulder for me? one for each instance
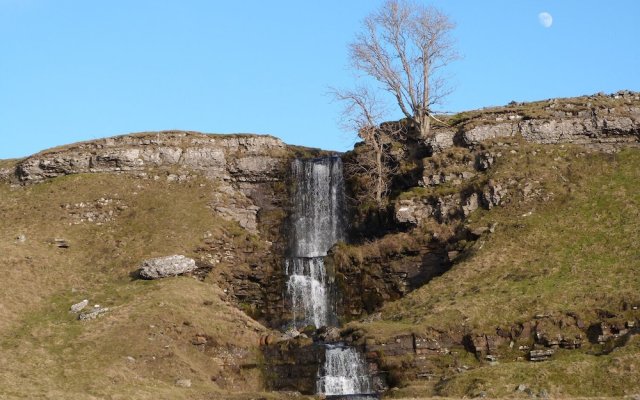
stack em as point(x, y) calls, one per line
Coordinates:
point(162, 267)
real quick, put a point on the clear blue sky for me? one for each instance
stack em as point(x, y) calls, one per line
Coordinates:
point(74, 70)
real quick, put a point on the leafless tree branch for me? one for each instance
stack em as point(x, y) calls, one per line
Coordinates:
point(403, 46)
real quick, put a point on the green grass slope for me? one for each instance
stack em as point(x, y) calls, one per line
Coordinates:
point(574, 249)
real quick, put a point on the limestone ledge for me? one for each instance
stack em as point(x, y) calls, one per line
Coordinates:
point(598, 120)
point(241, 158)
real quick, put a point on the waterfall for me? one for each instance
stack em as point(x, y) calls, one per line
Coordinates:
point(318, 206)
point(307, 287)
point(316, 225)
point(344, 372)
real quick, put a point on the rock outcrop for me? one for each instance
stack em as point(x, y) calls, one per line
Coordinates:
point(243, 158)
point(294, 363)
point(369, 276)
point(599, 120)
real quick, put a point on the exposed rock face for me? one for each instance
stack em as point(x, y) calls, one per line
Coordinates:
point(492, 195)
point(411, 211)
point(485, 132)
point(6, 174)
point(163, 267)
point(441, 139)
point(250, 158)
point(594, 120)
point(294, 364)
point(412, 356)
point(446, 208)
point(368, 277)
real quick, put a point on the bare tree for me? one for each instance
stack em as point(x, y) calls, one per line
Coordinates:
point(363, 112)
point(404, 47)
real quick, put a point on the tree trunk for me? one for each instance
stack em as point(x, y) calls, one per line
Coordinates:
point(380, 177)
point(424, 123)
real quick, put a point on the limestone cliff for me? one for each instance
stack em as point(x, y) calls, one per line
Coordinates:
point(598, 120)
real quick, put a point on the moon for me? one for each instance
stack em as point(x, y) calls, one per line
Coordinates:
point(545, 19)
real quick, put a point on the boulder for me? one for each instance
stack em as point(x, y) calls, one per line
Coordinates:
point(76, 308)
point(163, 267)
point(185, 383)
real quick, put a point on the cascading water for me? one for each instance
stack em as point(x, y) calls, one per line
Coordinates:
point(344, 372)
point(318, 206)
point(307, 287)
point(316, 225)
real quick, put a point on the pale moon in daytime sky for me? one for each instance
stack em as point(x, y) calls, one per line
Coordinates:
point(545, 19)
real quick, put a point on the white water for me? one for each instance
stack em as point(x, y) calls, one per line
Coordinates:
point(316, 225)
point(344, 372)
point(307, 287)
point(318, 206)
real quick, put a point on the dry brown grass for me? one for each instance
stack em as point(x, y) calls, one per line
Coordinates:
point(45, 352)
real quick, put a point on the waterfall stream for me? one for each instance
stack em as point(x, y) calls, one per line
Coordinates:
point(344, 372)
point(307, 287)
point(316, 225)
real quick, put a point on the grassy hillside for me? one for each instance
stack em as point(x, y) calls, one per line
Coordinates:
point(565, 242)
point(156, 332)
point(571, 249)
